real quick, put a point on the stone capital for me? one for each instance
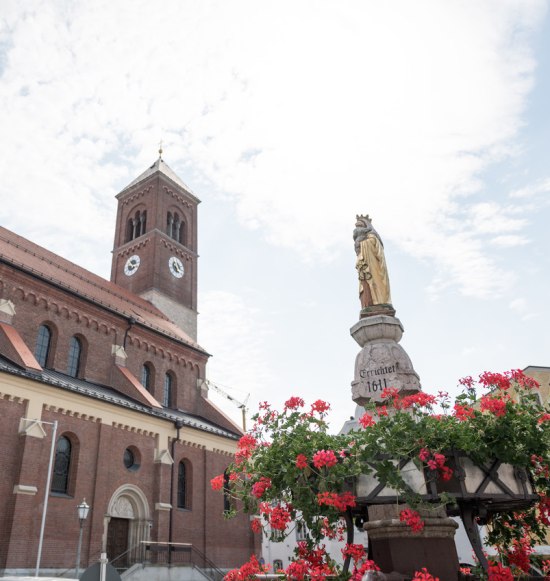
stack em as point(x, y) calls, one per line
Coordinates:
point(377, 328)
point(7, 311)
point(119, 354)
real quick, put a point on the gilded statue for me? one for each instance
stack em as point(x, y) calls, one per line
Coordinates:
point(374, 284)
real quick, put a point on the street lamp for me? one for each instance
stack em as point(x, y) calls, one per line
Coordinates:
point(82, 510)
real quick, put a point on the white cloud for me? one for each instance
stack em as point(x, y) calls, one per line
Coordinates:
point(509, 241)
point(531, 190)
point(518, 305)
point(492, 218)
point(303, 116)
point(232, 328)
point(522, 308)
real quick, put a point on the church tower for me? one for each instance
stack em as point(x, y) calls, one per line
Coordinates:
point(155, 247)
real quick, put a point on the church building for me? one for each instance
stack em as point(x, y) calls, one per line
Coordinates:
point(103, 382)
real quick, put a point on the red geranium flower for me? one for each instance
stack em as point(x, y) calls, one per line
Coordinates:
point(366, 420)
point(320, 406)
point(324, 458)
point(258, 488)
point(463, 412)
point(423, 575)
point(294, 403)
point(498, 572)
point(412, 518)
point(495, 405)
point(217, 482)
point(355, 551)
point(301, 461)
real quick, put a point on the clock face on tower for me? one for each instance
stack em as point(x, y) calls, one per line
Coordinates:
point(132, 264)
point(176, 266)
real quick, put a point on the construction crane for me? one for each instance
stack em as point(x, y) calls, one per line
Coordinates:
point(240, 405)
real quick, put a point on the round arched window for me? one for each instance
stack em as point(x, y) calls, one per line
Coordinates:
point(131, 458)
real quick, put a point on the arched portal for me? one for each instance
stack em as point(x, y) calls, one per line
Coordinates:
point(127, 524)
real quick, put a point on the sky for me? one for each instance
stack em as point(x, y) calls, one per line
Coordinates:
point(287, 119)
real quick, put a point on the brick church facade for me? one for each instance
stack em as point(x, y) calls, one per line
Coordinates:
point(116, 365)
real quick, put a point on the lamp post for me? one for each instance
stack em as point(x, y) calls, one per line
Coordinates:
point(83, 510)
point(46, 490)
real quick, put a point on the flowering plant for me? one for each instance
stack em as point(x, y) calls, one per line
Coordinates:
point(289, 471)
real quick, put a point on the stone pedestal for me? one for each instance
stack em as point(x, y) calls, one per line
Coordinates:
point(394, 547)
point(382, 362)
point(399, 551)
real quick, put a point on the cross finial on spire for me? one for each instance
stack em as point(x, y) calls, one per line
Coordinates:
point(160, 149)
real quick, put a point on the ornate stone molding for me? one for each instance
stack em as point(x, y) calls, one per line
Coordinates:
point(65, 310)
point(31, 428)
point(176, 250)
point(119, 354)
point(7, 311)
point(193, 444)
point(25, 489)
point(133, 247)
point(223, 452)
point(163, 506)
point(122, 508)
point(70, 413)
point(12, 398)
point(137, 195)
point(163, 457)
point(133, 429)
point(150, 347)
point(177, 197)
point(395, 529)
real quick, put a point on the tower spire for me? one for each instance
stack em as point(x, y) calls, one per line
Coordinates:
point(160, 149)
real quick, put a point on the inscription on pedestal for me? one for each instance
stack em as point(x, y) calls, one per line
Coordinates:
point(375, 380)
point(382, 362)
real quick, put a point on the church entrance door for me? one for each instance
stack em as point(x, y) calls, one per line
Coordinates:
point(117, 540)
point(127, 525)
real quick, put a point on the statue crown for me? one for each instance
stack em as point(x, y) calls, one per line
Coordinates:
point(362, 220)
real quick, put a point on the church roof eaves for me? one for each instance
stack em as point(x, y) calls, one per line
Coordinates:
point(41, 263)
point(160, 166)
point(104, 393)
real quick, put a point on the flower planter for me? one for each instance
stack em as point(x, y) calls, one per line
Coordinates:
point(478, 489)
point(494, 485)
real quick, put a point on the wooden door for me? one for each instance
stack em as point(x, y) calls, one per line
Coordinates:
point(117, 540)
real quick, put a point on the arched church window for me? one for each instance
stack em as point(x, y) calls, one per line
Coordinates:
point(182, 233)
point(184, 484)
point(62, 464)
point(137, 225)
point(168, 390)
point(228, 500)
point(142, 222)
point(75, 354)
point(169, 224)
point(147, 376)
point(130, 230)
point(176, 228)
point(43, 342)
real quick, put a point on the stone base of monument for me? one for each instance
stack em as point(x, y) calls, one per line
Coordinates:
point(384, 309)
point(399, 551)
point(382, 362)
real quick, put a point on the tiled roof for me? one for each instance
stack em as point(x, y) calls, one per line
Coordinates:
point(106, 394)
point(163, 168)
point(50, 267)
